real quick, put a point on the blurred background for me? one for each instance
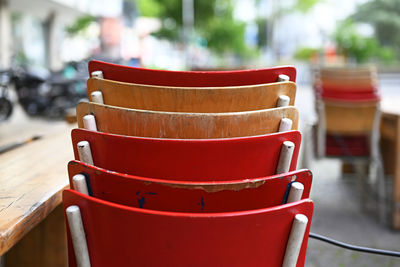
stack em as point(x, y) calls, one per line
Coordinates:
point(191, 34)
point(45, 46)
point(52, 40)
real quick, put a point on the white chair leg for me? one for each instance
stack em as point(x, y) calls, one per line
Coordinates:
point(84, 152)
point(78, 236)
point(362, 184)
point(321, 133)
point(307, 147)
point(89, 123)
point(296, 192)
point(381, 192)
point(283, 78)
point(285, 157)
point(283, 101)
point(80, 185)
point(285, 125)
point(97, 74)
point(296, 237)
point(380, 172)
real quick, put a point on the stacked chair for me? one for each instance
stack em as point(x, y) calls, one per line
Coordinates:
point(187, 169)
point(347, 101)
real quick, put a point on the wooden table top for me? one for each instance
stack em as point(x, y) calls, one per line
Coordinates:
point(391, 105)
point(32, 178)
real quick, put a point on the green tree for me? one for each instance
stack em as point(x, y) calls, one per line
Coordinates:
point(384, 17)
point(267, 25)
point(359, 48)
point(213, 22)
point(80, 24)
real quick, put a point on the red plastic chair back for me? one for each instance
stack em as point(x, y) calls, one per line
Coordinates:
point(188, 159)
point(118, 235)
point(178, 196)
point(190, 78)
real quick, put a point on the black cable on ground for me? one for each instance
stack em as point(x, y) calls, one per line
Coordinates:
point(356, 248)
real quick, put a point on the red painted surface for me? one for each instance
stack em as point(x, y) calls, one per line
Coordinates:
point(348, 93)
point(190, 78)
point(118, 235)
point(347, 145)
point(350, 97)
point(188, 159)
point(164, 195)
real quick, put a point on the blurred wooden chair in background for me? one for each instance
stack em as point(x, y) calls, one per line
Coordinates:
point(348, 108)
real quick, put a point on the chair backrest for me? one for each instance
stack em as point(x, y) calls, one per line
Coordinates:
point(348, 72)
point(347, 84)
point(178, 196)
point(190, 78)
point(350, 118)
point(348, 111)
point(188, 160)
point(158, 124)
point(192, 99)
point(117, 235)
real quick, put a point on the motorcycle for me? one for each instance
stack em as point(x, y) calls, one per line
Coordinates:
point(49, 94)
point(6, 106)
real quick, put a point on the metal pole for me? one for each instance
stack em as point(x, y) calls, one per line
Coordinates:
point(5, 35)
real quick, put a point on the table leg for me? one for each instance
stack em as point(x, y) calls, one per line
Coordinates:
point(44, 246)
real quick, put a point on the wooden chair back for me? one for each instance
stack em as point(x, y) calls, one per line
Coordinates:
point(134, 122)
point(350, 118)
point(192, 99)
point(347, 84)
point(341, 72)
point(188, 160)
point(190, 78)
point(178, 196)
point(348, 111)
point(102, 233)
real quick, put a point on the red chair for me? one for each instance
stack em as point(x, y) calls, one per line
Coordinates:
point(178, 196)
point(190, 78)
point(189, 159)
point(102, 233)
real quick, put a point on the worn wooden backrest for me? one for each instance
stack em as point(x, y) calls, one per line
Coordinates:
point(118, 235)
point(179, 196)
point(188, 160)
point(134, 122)
point(192, 99)
point(190, 78)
